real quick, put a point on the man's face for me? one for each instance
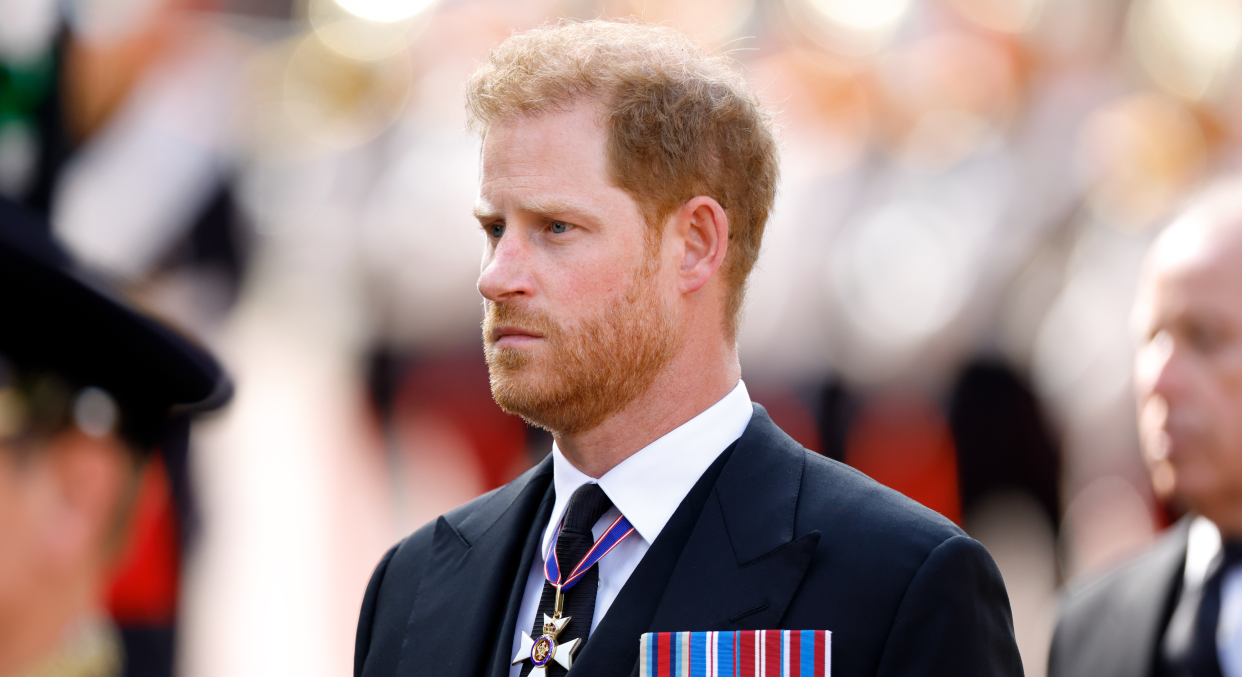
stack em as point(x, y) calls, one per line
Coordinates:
point(24, 498)
point(1188, 370)
point(579, 312)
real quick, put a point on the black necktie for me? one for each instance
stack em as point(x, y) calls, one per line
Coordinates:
point(1189, 647)
point(585, 507)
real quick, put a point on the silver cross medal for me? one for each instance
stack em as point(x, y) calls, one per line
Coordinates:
point(540, 652)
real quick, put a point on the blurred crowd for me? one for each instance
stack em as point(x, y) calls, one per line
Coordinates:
point(943, 300)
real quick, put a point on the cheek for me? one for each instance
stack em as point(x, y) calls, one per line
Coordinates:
point(1216, 468)
point(17, 534)
point(587, 287)
point(1228, 406)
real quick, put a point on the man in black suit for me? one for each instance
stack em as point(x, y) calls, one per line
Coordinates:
point(626, 181)
point(1177, 609)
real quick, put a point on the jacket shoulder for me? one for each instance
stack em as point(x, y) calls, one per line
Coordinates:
point(389, 596)
point(836, 499)
point(839, 498)
point(906, 589)
point(1164, 559)
point(394, 587)
point(467, 520)
point(864, 525)
point(1110, 624)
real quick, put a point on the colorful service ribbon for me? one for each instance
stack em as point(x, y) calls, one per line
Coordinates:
point(747, 653)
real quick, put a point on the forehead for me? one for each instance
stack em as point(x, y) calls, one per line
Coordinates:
point(1197, 267)
point(558, 152)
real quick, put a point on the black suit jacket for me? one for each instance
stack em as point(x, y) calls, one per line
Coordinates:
point(772, 536)
point(1112, 626)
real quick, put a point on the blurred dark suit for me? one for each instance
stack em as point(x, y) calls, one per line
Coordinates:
point(1113, 626)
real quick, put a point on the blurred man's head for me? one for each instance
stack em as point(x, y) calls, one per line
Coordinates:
point(67, 483)
point(1188, 371)
point(627, 178)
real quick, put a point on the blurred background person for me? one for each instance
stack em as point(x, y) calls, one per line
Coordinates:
point(93, 396)
point(1177, 609)
point(943, 299)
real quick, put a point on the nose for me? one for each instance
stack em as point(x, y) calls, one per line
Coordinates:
point(506, 269)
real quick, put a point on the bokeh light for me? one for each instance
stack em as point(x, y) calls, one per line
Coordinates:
point(861, 15)
point(903, 273)
point(853, 27)
point(27, 27)
point(1188, 47)
point(1138, 155)
point(339, 101)
point(822, 104)
point(946, 97)
point(368, 38)
point(384, 11)
point(1011, 16)
point(712, 22)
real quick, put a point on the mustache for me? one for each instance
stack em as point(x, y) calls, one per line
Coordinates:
point(509, 315)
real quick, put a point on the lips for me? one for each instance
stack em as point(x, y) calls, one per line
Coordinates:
point(513, 326)
point(509, 337)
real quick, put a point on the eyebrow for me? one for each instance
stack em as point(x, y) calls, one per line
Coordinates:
point(546, 207)
point(484, 210)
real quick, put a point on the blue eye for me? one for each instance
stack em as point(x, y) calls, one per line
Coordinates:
point(496, 229)
point(559, 226)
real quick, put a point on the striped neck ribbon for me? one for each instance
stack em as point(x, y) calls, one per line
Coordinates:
point(616, 532)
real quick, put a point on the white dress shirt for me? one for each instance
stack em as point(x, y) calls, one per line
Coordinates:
point(647, 488)
point(1202, 546)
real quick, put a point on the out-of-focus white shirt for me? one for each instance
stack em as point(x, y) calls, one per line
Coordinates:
point(647, 488)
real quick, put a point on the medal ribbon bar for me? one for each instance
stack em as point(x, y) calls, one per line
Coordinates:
point(749, 653)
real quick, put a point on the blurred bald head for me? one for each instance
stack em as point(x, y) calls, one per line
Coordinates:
point(1188, 368)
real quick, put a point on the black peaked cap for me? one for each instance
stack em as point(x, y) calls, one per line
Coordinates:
point(54, 317)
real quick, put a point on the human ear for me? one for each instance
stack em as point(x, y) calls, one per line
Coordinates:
point(703, 229)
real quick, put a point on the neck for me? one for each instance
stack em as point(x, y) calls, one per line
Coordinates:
point(44, 624)
point(695, 380)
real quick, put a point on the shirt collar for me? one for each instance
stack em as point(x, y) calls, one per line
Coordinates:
point(1202, 546)
point(648, 486)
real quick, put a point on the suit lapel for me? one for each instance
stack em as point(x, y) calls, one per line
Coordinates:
point(1153, 603)
point(726, 560)
point(742, 564)
point(503, 657)
point(472, 578)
